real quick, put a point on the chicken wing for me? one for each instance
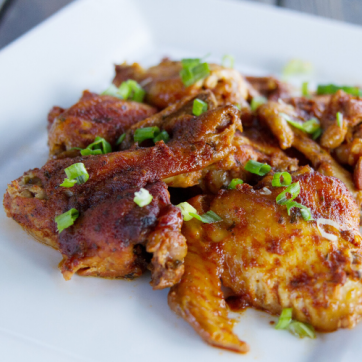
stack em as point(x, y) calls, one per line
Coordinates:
point(105, 201)
point(273, 260)
point(93, 115)
point(163, 84)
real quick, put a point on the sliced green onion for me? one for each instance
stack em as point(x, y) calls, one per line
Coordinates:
point(136, 92)
point(190, 62)
point(234, 182)
point(129, 89)
point(301, 330)
point(258, 168)
point(297, 67)
point(332, 88)
point(317, 133)
point(66, 219)
point(98, 147)
point(76, 173)
point(68, 183)
point(256, 102)
point(304, 210)
point(186, 209)
point(146, 133)
point(305, 90)
point(112, 90)
point(312, 125)
point(228, 59)
point(292, 189)
point(163, 135)
point(87, 152)
point(287, 179)
point(193, 70)
point(199, 107)
point(142, 197)
point(285, 319)
point(121, 139)
point(292, 122)
point(339, 117)
point(207, 218)
point(238, 106)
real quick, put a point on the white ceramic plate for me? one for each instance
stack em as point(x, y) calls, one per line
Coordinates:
point(42, 317)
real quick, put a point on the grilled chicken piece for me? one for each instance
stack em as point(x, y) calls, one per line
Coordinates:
point(351, 109)
point(105, 201)
point(272, 260)
point(324, 163)
point(252, 144)
point(164, 86)
point(94, 115)
point(268, 87)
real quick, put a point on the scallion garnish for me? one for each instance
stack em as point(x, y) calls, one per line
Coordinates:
point(312, 126)
point(186, 209)
point(228, 61)
point(66, 219)
point(163, 135)
point(286, 176)
point(234, 182)
point(298, 329)
point(199, 107)
point(285, 318)
point(98, 147)
point(146, 133)
point(77, 174)
point(256, 102)
point(207, 218)
point(193, 70)
point(112, 90)
point(317, 133)
point(304, 210)
point(121, 139)
point(332, 88)
point(142, 197)
point(258, 168)
point(292, 189)
point(129, 89)
point(339, 117)
point(305, 90)
point(301, 330)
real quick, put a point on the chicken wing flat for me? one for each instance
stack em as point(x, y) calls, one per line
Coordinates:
point(163, 84)
point(93, 115)
point(273, 260)
point(105, 202)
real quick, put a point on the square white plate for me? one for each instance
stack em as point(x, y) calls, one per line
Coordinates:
point(42, 317)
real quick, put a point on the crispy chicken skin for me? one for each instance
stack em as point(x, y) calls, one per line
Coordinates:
point(164, 86)
point(272, 260)
point(324, 163)
point(93, 115)
point(351, 109)
point(268, 87)
point(35, 199)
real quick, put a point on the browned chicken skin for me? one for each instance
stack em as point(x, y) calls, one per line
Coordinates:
point(272, 260)
point(36, 198)
point(267, 258)
point(163, 84)
point(94, 115)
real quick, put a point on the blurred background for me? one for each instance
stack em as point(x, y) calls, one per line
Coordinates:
point(19, 16)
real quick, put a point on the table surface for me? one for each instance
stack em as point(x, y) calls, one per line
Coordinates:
point(19, 16)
